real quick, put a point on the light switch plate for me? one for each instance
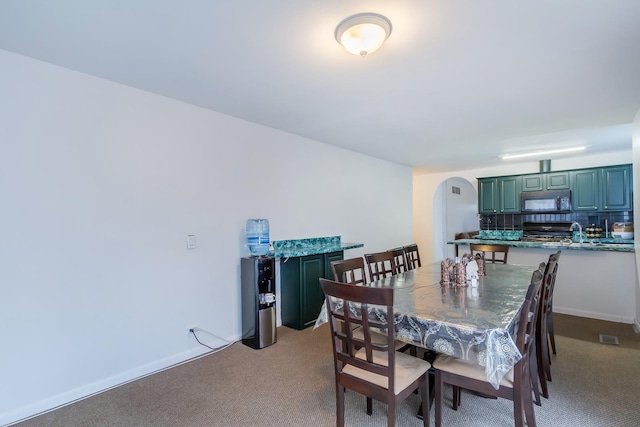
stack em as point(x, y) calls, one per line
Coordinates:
point(191, 241)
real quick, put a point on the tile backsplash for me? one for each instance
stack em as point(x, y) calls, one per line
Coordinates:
point(514, 221)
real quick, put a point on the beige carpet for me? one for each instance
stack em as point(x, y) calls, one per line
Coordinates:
point(291, 384)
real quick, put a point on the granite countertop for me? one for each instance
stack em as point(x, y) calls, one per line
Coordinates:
point(611, 245)
point(310, 246)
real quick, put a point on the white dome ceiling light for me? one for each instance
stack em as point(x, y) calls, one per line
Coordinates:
point(364, 33)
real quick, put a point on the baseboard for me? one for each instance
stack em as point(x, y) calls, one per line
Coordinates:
point(68, 397)
point(594, 315)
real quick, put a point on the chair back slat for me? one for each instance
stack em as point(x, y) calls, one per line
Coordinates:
point(349, 271)
point(381, 265)
point(400, 257)
point(412, 255)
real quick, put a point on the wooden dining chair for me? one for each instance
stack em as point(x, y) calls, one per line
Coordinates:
point(545, 310)
point(412, 255)
point(493, 250)
point(381, 265)
point(373, 369)
point(400, 258)
point(352, 271)
point(543, 357)
point(549, 308)
point(349, 271)
point(515, 385)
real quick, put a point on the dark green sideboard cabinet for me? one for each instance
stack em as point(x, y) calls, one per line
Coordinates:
point(300, 294)
point(499, 195)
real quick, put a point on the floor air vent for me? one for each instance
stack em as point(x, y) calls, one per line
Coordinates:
point(609, 339)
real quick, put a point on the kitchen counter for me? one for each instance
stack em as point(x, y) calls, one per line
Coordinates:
point(310, 246)
point(612, 245)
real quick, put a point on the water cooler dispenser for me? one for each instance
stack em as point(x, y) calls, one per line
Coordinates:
point(258, 284)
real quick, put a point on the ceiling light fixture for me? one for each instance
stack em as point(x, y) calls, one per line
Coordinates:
point(363, 33)
point(541, 153)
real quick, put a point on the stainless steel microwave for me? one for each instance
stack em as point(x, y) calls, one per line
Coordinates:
point(549, 201)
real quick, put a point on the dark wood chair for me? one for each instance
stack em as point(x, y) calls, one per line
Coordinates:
point(465, 235)
point(349, 271)
point(373, 369)
point(516, 385)
point(412, 255)
point(381, 265)
point(545, 311)
point(400, 257)
point(549, 309)
point(352, 271)
point(493, 250)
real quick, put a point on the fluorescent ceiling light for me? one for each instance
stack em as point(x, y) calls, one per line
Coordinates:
point(541, 153)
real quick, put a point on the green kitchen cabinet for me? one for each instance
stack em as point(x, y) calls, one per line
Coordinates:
point(499, 195)
point(488, 195)
point(557, 181)
point(545, 181)
point(300, 294)
point(509, 194)
point(585, 189)
point(535, 182)
point(616, 188)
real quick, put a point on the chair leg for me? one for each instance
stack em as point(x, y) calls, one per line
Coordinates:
point(528, 408)
point(339, 406)
point(518, 412)
point(456, 397)
point(438, 399)
point(551, 333)
point(369, 406)
point(538, 370)
point(391, 414)
point(424, 392)
point(534, 374)
point(547, 360)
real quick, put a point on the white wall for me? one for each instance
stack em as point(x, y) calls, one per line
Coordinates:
point(426, 185)
point(101, 184)
point(636, 205)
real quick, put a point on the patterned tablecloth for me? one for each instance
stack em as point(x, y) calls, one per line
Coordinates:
point(475, 324)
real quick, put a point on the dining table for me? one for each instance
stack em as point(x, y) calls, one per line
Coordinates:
point(472, 323)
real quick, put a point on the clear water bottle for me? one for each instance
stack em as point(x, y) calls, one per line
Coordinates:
point(258, 236)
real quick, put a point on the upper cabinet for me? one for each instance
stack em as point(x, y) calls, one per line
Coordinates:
point(545, 181)
point(557, 180)
point(585, 189)
point(607, 188)
point(499, 195)
point(616, 188)
point(602, 189)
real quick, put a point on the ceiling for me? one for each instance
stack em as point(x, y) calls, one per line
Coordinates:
point(457, 83)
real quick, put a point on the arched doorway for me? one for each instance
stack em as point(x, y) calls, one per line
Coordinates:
point(455, 209)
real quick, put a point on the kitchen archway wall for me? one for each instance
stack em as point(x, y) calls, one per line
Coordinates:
point(455, 210)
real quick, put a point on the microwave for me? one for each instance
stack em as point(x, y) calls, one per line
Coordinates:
point(550, 201)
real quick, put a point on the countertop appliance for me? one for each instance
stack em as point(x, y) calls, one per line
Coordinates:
point(546, 232)
point(550, 201)
point(622, 230)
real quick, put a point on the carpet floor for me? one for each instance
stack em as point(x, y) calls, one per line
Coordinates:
point(291, 384)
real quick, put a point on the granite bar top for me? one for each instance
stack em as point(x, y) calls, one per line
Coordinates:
point(611, 245)
point(310, 246)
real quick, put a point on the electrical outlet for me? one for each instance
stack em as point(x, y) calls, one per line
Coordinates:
point(192, 328)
